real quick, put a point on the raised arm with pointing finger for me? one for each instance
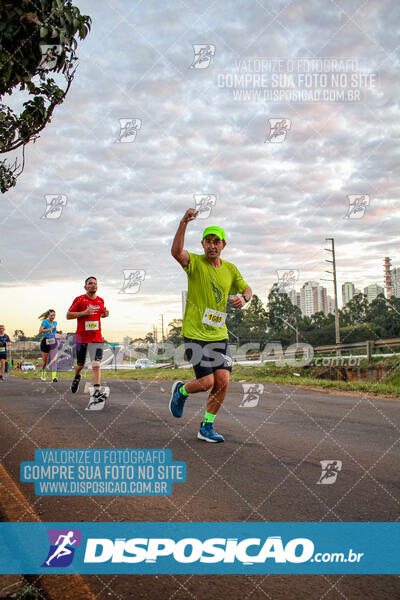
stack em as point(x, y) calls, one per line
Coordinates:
point(177, 250)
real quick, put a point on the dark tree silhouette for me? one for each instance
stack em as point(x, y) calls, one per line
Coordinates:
point(37, 39)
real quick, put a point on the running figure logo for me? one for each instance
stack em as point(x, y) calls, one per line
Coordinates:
point(61, 551)
point(228, 361)
point(55, 203)
point(330, 470)
point(204, 204)
point(286, 280)
point(132, 280)
point(278, 129)
point(203, 54)
point(50, 54)
point(128, 130)
point(251, 394)
point(357, 206)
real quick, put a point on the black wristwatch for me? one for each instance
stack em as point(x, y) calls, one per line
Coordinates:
point(246, 298)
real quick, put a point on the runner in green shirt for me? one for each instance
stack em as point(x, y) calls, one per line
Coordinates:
point(211, 283)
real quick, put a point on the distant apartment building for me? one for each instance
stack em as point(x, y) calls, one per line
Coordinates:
point(313, 298)
point(348, 291)
point(395, 278)
point(324, 306)
point(327, 303)
point(295, 298)
point(308, 298)
point(372, 291)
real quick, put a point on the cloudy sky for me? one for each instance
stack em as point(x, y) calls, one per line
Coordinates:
point(277, 194)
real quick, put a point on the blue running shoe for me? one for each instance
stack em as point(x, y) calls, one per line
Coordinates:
point(177, 401)
point(208, 433)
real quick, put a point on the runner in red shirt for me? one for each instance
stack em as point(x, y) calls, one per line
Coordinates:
point(88, 309)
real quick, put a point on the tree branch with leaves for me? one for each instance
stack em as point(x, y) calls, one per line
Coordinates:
point(37, 39)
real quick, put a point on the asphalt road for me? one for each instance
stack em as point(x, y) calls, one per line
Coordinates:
point(267, 470)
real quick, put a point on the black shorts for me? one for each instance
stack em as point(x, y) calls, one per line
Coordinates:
point(3, 356)
point(207, 357)
point(95, 352)
point(45, 347)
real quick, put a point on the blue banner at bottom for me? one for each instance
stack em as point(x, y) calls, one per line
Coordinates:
point(200, 548)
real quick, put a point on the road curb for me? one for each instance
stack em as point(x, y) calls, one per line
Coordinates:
point(13, 504)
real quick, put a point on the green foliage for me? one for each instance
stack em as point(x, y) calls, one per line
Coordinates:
point(253, 322)
point(174, 334)
point(385, 314)
point(359, 321)
point(283, 318)
point(356, 310)
point(19, 335)
point(28, 592)
point(361, 332)
point(234, 321)
point(282, 313)
point(26, 27)
point(149, 337)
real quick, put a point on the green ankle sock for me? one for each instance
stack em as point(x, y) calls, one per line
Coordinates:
point(183, 391)
point(208, 418)
point(53, 374)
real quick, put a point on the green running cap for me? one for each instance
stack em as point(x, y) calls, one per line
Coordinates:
point(214, 230)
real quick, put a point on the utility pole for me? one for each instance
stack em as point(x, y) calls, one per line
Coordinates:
point(162, 328)
point(297, 328)
point(333, 262)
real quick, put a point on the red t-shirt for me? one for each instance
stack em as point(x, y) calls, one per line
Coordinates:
point(88, 327)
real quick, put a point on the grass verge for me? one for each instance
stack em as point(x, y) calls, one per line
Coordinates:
point(259, 373)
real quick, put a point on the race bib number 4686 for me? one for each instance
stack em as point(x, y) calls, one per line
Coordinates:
point(91, 325)
point(214, 317)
